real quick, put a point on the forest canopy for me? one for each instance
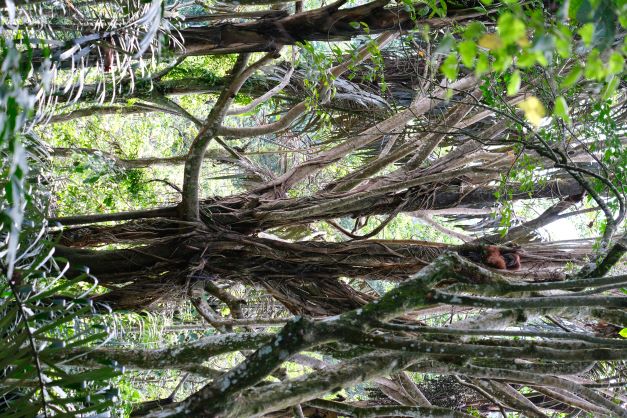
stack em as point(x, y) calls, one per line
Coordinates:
point(269, 208)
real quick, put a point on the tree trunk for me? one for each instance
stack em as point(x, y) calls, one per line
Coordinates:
point(248, 214)
point(304, 276)
point(268, 34)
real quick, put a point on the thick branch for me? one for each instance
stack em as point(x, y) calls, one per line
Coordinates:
point(189, 204)
point(299, 109)
point(392, 125)
point(177, 356)
point(324, 24)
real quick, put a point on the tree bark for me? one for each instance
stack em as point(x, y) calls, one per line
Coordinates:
point(328, 23)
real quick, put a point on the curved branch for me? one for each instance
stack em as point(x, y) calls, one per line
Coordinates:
point(178, 356)
point(300, 108)
point(552, 214)
point(391, 125)
point(189, 205)
point(119, 216)
point(145, 162)
point(264, 97)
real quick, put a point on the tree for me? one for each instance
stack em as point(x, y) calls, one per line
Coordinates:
point(427, 139)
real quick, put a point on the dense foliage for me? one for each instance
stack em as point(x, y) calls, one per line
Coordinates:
point(273, 208)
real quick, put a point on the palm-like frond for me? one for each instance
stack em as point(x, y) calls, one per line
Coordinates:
point(77, 42)
point(36, 324)
point(40, 313)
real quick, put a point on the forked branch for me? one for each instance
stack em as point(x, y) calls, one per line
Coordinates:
point(189, 206)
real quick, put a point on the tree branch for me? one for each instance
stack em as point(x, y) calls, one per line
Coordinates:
point(189, 205)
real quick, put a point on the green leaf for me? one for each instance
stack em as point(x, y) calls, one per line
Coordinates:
point(450, 67)
point(623, 332)
point(586, 32)
point(615, 63)
point(95, 407)
point(9, 315)
point(610, 88)
point(26, 408)
point(565, 32)
point(541, 59)
point(467, 51)
point(108, 201)
point(514, 83)
point(92, 179)
point(483, 64)
point(573, 7)
point(446, 44)
point(61, 320)
point(441, 11)
point(85, 341)
point(58, 289)
point(502, 62)
point(474, 30)
point(526, 60)
point(561, 109)
point(572, 77)
point(563, 46)
point(89, 375)
point(510, 28)
point(595, 70)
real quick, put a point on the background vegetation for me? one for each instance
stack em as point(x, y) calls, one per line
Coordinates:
point(272, 208)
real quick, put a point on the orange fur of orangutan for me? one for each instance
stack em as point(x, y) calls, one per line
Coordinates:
point(494, 258)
